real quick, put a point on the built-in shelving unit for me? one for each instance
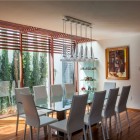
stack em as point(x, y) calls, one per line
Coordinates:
point(87, 78)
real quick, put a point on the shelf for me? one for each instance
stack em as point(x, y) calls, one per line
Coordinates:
point(88, 90)
point(79, 59)
point(88, 68)
point(88, 80)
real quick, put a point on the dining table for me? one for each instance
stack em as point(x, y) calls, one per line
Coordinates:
point(59, 107)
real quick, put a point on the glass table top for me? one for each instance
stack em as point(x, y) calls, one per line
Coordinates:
point(63, 105)
point(55, 106)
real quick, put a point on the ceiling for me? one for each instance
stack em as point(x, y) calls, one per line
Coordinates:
point(110, 19)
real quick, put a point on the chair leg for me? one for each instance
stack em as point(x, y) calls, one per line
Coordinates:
point(31, 133)
point(127, 118)
point(69, 136)
point(102, 125)
point(25, 131)
point(116, 123)
point(90, 132)
point(49, 133)
point(17, 124)
point(119, 119)
point(106, 127)
point(110, 121)
point(52, 114)
point(38, 130)
point(45, 131)
point(65, 137)
point(85, 136)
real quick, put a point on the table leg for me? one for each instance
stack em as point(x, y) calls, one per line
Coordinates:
point(61, 116)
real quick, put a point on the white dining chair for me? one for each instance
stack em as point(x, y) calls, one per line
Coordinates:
point(121, 106)
point(32, 117)
point(20, 110)
point(94, 116)
point(75, 120)
point(69, 90)
point(109, 109)
point(40, 96)
point(108, 86)
point(56, 93)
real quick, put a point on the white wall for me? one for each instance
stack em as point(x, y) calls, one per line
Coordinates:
point(134, 62)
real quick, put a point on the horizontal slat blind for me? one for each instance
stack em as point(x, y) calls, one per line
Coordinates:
point(59, 43)
point(9, 39)
point(35, 42)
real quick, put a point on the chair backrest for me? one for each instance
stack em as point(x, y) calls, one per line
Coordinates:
point(109, 109)
point(96, 107)
point(123, 98)
point(108, 86)
point(19, 91)
point(4, 88)
point(77, 111)
point(30, 110)
point(56, 93)
point(40, 94)
point(69, 90)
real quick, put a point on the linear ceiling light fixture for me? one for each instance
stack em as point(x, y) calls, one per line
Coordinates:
point(77, 52)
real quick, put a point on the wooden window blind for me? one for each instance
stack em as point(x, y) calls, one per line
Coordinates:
point(35, 43)
point(9, 39)
point(59, 43)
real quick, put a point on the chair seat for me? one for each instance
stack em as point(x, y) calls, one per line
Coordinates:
point(60, 126)
point(96, 119)
point(44, 120)
point(119, 110)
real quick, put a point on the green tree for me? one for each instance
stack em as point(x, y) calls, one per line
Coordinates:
point(14, 74)
point(36, 70)
point(43, 68)
point(15, 68)
point(27, 69)
point(5, 76)
point(5, 66)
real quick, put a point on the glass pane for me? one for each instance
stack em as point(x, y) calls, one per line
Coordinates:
point(57, 69)
point(68, 72)
point(63, 70)
point(35, 69)
point(9, 79)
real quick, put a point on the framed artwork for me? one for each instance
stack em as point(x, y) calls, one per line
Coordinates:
point(117, 65)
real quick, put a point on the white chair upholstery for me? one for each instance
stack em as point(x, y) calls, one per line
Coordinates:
point(109, 109)
point(121, 106)
point(40, 95)
point(56, 93)
point(20, 110)
point(69, 91)
point(75, 120)
point(108, 86)
point(32, 117)
point(94, 116)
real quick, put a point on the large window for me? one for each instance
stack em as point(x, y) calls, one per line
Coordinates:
point(35, 69)
point(9, 79)
point(9, 69)
point(35, 60)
